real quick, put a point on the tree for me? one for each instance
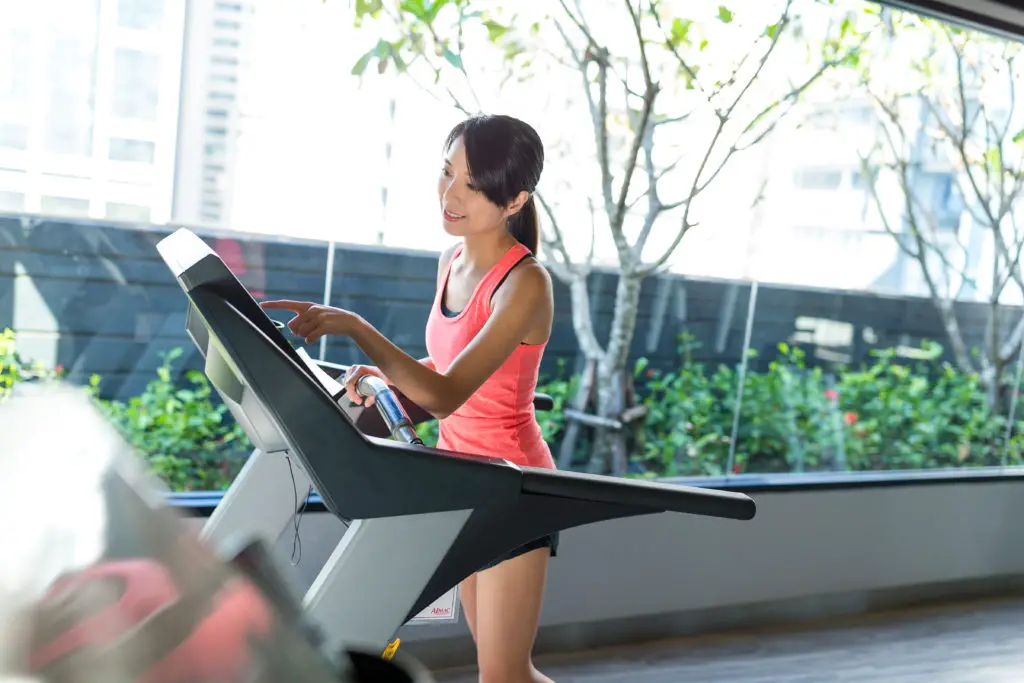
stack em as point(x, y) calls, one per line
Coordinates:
point(946, 105)
point(669, 100)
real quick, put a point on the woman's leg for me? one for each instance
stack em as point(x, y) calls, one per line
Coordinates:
point(467, 596)
point(507, 612)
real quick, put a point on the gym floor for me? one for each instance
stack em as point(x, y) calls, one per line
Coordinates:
point(979, 642)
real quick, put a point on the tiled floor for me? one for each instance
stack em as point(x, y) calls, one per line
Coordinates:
point(976, 643)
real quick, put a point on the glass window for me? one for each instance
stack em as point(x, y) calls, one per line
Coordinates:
point(818, 179)
point(136, 84)
point(133, 213)
point(141, 151)
point(71, 85)
point(64, 206)
point(12, 201)
point(16, 68)
point(146, 15)
point(13, 135)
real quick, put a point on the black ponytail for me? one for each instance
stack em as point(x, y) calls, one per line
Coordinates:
point(524, 226)
point(505, 157)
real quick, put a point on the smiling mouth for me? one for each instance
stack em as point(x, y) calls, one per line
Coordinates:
point(449, 216)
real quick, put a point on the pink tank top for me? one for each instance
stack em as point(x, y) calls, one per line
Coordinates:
point(498, 420)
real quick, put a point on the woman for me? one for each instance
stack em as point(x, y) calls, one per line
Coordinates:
point(486, 334)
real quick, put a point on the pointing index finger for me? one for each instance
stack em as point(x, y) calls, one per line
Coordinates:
point(287, 304)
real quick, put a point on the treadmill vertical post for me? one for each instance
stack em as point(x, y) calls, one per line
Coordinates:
point(253, 506)
point(379, 570)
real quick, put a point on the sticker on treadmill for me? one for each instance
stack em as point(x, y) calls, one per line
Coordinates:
point(444, 610)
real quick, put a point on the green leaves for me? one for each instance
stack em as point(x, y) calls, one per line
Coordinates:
point(494, 30)
point(724, 14)
point(891, 413)
point(450, 57)
point(680, 32)
point(367, 8)
point(188, 437)
point(385, 52)
point(994, 160)
point(425, 10)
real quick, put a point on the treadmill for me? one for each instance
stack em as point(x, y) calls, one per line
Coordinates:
point(420, 519)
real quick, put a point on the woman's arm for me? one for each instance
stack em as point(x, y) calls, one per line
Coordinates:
point(425, 361)
point(523, 303)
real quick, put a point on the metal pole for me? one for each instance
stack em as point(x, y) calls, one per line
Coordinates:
point(328, 281)
point(751, 306)
point(1013, 404)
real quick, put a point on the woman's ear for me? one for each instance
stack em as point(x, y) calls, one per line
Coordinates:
point(516, 204)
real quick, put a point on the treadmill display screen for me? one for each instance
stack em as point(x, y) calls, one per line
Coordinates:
point(184, 251)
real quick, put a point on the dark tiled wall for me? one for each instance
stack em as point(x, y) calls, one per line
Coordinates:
point(99, 297)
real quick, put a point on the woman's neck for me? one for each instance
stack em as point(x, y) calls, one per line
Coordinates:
point(481, 252)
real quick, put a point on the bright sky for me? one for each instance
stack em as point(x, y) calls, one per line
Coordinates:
point(312, 153)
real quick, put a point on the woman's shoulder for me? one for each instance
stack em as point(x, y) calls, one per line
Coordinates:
point(528, 280)
point(531, 273)
point(444, 259)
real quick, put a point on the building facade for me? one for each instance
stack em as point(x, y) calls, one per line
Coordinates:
point(119, 109)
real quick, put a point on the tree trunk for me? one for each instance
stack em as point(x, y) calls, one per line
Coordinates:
point(608, 452)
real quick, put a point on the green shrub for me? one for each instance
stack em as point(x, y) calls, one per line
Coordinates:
point(14, 368)
point(882, 415)
point(889, 413)
point(189, 438)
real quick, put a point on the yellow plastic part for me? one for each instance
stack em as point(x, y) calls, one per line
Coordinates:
point(392, 648)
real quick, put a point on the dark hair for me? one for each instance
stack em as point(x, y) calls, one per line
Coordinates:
point(505, 157)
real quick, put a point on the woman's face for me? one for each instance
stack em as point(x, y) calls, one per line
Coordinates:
point(464, 209)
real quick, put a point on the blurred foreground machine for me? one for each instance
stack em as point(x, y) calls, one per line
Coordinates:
point(101, 583)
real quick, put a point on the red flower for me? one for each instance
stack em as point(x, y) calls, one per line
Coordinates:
point(651, 372)
point(832, 394)
point(736, 469)
point(850, 418)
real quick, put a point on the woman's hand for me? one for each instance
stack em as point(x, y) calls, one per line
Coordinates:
point(313, 321)
point(353, 375)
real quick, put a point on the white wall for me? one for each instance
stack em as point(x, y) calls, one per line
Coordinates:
point(806, 554)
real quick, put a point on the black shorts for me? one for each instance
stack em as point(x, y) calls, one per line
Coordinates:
point(549, 541)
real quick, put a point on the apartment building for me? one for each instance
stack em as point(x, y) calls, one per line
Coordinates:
point(119, 109)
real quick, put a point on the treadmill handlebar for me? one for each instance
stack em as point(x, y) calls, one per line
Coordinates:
point(390, 408)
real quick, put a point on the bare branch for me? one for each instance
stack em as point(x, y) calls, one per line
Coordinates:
point(943, 304)
point(764, 60)
point(599, 108)
point(654, 207)
point(679, 58)
point(580, 23)
point(650, 92)
point(566, 270)
point(593, 230)
point(432, 91)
